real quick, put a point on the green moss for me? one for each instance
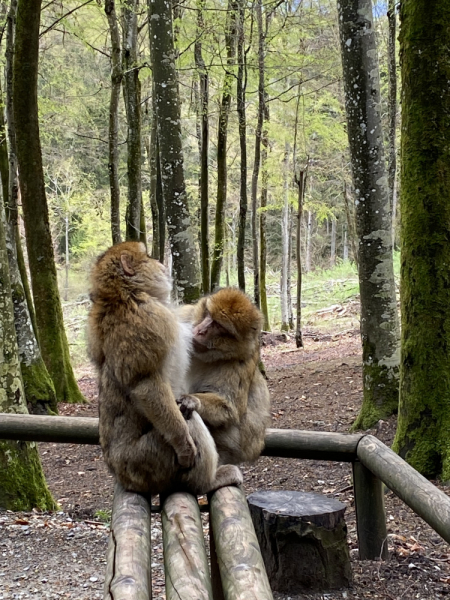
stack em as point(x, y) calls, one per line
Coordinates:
point(39, 389)
point(22, 483)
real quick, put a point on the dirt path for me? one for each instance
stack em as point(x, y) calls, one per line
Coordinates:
point(318, 388)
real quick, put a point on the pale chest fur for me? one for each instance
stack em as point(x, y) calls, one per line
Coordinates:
point(177, 363)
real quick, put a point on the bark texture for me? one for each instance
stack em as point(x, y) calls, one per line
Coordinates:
point(167, 105)
point(132, 97)
point(222, 135)
point(52, 337)
point(241, 86)
point(392, 112)
point(113, 136)
point(424, 412)
point(285, 257)
point(379, 321)
point(22, 483)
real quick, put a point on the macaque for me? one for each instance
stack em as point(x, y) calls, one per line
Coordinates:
point(224, 373)
point(151, 443)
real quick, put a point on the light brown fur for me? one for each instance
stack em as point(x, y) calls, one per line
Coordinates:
point(224, 373)
point(141, 352)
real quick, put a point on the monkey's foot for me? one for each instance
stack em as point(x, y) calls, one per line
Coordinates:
point(228, 475)
point(187, 405)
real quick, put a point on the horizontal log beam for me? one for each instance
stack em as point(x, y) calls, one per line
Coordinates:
point(241, 565)
point(185, 561)
point(423, 497)
point(37, 428)
point(315, 445)
point(128, 572)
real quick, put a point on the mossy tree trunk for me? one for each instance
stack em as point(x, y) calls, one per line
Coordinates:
point(113, 135)
point(424, 412)
point(379, 320)
point(392, 113)
point(132, 97)
point(52, 337)
point(222, 135)
point(167, 109)
point(22, 482)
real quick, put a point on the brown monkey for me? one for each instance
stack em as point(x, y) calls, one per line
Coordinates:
point(224, 373)
point(141, 352)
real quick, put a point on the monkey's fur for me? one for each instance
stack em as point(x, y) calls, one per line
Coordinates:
point(224, 373)
point(141, 352)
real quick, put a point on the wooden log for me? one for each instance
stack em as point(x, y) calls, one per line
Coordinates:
point(303, 540)
point(240, 562)
point(370, 514)
point(185, 560)
point(37, 428)
point(422, 496)
point(128, 572)
point(317, 445)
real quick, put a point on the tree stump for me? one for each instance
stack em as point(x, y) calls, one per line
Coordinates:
point(303, 540)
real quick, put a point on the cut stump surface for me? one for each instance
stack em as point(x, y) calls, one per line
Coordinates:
point(303, 540)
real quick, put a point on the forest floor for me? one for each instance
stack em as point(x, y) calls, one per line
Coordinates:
point(62, 554)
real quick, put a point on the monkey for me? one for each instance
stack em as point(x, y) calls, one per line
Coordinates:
point(151, 443)
point(224, 373)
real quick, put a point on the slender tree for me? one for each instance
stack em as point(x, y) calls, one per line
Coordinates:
point(241, 85)
point(222, 134)
point(204, 150)
point(300, 180)
point(263, 219)
point(424, 412)
point(132, 97)
point(379, 320)
point(392, 114)
point(22, 482)
point(113, 135)
point(285, 257)
point(52, 337)
point(181, 236)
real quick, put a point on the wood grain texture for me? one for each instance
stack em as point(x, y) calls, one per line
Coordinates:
point(185, 560)
point(317, 445)
point(128, 573)
point(370, 514)
point(241, 565)
point(37, 428)
point(422, 496)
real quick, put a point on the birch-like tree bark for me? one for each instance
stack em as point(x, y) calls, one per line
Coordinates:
point(22, 482)
point(424, 411)
point(181, 234)
point(222, 135)
point(51, 333)
point(263, 220)
point(241, 86)
point(132, 97)
point(204, 150)
point(379, 321)
point(113, 135)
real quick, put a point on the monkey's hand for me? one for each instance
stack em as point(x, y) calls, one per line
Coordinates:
point(187, 405)
point(186, 453)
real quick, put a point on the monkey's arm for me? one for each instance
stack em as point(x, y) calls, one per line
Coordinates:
point(217, 410)
point(153, 397)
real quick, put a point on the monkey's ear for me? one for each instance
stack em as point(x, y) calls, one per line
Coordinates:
point(127, 264)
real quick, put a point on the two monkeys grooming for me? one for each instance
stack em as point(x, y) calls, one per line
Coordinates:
point(181, 397)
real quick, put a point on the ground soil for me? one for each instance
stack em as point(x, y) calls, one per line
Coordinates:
point(62, 555)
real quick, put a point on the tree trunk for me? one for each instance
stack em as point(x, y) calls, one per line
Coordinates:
point(301, 184)
point(22, 482)
point(113, 136)
point(344, 242)
point(308, 242)
point(204, 151)
point(289, 270)
point(424, 412)
point(241, 86)
point(181, 235)
point(132, 97)
point(263, 220)
point(392, 112)
point(285, 244)
point(150, 147)
point(156, 193)
point(230, 42)
point(333, 242)
point(379, 321)
point(52, 337)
